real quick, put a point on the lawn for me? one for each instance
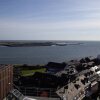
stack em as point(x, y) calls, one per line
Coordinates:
point(31, 72)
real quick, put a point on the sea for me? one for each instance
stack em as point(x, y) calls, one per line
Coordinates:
point(44, 54)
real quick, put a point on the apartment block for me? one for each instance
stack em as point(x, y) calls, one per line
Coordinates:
point(6, 80)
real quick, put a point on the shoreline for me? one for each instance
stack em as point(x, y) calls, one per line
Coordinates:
point(34, 44)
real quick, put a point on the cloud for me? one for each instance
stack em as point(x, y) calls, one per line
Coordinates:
point(50, 26)
point(67, 30)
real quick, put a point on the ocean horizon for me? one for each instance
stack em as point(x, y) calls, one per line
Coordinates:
point(45, 54)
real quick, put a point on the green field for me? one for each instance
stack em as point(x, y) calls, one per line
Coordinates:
point(31, 72)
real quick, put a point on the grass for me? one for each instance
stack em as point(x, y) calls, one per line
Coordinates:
point(30, 72)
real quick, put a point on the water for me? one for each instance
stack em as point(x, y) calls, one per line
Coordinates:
point(44, 54)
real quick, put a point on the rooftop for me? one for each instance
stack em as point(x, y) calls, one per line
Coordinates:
point(2, 66)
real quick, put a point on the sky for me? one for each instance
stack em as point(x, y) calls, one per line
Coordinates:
point(49, 19)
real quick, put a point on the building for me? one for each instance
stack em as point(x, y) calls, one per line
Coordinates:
point(96, 70)
point(6, 80)
point(74, 90)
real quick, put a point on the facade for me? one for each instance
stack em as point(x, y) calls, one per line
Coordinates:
point(6, 80)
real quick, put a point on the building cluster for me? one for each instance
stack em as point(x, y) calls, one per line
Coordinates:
point(74, 80)
point(83, 86)
point(86, 83)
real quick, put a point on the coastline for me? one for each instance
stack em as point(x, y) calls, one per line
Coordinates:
point(32, 44)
